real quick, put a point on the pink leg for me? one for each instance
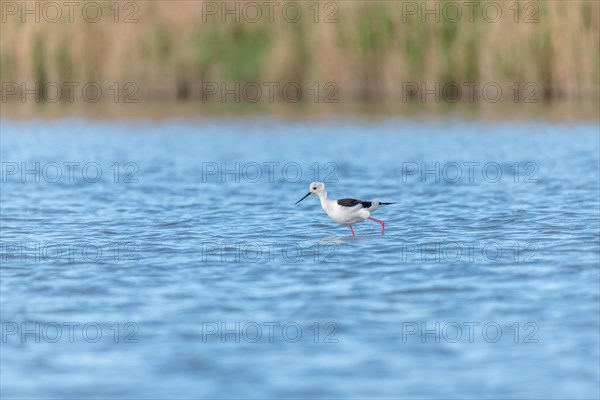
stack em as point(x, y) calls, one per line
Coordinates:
point(381, 222)
point(351, 230)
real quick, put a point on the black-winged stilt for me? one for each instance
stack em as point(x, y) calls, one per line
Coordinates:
point(345, 211)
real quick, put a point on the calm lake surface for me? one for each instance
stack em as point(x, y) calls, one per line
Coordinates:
point(167, 260)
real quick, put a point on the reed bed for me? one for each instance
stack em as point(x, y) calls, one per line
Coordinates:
point(370, 50)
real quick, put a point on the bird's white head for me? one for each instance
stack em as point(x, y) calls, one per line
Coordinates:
point(316, 188)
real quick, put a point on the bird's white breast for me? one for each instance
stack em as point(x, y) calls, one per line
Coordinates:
point(345, 215)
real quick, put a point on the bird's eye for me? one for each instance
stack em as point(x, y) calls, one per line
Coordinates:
point(315, 188)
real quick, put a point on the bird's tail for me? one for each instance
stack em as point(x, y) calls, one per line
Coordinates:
point(375, 204)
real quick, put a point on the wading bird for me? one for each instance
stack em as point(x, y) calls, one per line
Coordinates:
point(345, 211)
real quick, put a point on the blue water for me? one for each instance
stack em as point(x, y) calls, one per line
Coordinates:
point(485, 285)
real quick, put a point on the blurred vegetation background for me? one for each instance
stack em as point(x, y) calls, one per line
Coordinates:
point(174, 47)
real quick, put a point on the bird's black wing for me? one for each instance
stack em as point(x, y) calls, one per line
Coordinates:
point(353, 202)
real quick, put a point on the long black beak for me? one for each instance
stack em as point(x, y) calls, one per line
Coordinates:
point(307, 194)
